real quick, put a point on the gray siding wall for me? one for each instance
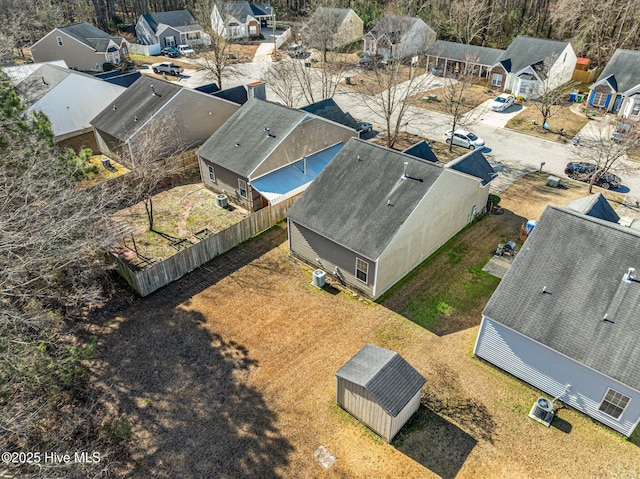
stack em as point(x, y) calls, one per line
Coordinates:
point(306, 138)
point(444, 211)
point(359, 403)
point(551, 371)
point(227, 182)
point(404, 415)
point(311, 247)
point(76, 54)
point(109, 145)
point(169, 32)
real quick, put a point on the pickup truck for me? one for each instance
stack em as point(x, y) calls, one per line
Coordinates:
point(167, 67)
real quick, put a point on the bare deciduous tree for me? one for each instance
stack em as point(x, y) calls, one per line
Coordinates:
point(281, 77)
point(217, 59)
point(608, 153)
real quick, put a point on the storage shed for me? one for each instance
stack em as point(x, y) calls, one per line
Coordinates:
point(380, 389)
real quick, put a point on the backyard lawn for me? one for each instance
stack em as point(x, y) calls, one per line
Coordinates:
point(473, 96)
point(229, 372)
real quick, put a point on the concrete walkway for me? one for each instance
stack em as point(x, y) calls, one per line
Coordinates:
point(264, 52)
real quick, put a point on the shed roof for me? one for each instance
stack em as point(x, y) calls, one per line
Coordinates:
point(580, 262)
point(624, 67)
point(246, 128)
point(363, 196)
point(461, 52)
point(595, 205)
point(390, 379)
point(528, 51)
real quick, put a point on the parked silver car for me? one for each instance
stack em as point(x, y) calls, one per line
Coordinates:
point(463, 138)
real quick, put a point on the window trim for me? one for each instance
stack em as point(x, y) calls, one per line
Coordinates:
point(365, 271)
point(240, 188)
point(212, 173)
point(612, 404)
point(59, 40)
point(495, 76)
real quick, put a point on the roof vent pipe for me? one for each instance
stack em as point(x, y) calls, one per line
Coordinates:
point(153, 91)
point(404, 175)
point(630, 274)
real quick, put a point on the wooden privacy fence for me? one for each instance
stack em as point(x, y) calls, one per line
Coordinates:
point(148, 280)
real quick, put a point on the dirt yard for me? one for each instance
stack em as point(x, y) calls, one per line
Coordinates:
point(563, 124)
point(473, 96)
point(229, 372)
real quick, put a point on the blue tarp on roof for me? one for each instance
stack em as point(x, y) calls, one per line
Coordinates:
point(295, 175)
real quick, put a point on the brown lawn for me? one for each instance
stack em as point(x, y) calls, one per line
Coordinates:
point(473, 96)
point(563, 124)
point(405, 140)
point(229, 372)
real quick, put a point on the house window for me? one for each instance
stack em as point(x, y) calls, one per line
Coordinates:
point(362, 270)
point(253, 30)
point(124, 50)
point(59, 40)
point(614, 403)
point(242, 188)
point(636, 108)
point(212, 174)
point(170, 41)
point(496, 80)
point(599, 99)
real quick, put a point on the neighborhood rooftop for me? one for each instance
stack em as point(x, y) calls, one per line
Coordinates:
point(239, 10)
point(562, 284)
point(374, 175)
point(390, 379)
point(524, 51)
point(181, 20)
point(624, 66)
point(475, 164)
point(596, 206)
point(464, 52)
point(89, 35)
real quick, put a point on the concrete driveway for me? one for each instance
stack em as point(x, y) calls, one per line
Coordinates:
point(498, 119)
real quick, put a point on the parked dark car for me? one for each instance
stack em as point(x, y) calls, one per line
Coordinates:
point(171, 52)
point(584, 172)
point(363, 126)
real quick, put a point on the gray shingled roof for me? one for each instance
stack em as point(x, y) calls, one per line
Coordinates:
point(83, 32)
point(261, 9)
point(524, 51)
point(624, 66)
point(246, 127)
point(475, 164)
point(390, 379)
point(176, 18)
point(347, 202)
point(339, 14)
point(581, 261)
point(238, 10)
point(595, 205)
point(460, 51)
point(40, 82)
point(135, 106)
point(422, 150)
point(237, 94)
point(330, 110)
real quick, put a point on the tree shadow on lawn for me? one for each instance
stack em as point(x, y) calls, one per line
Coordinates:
point(448, 291)
point(437, 444)
point(183, 391)
point(182, 388)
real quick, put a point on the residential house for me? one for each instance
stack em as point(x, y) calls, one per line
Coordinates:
point(19, 72)
point(530, 66)
point(169, 29)
point(450, 58)
point(398, 36)
point(565, 316)
point(266, 152)
point(379, 388)
point(617, 89)
point(82, 46)
point(159, 114)
point(235, 20)
point(70, 99)
point(374, 214)
point(332, 28)
point(264, 13)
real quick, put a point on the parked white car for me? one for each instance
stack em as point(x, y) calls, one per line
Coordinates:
point(464, 138)
point(502, 102)
point(186, 50)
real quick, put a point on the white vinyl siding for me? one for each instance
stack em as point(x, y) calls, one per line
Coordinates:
point(550, 371)
point(59, 40)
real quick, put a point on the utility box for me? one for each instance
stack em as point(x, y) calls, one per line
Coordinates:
point(553, 181)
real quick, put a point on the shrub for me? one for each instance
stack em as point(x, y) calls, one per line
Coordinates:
point(107, 66)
